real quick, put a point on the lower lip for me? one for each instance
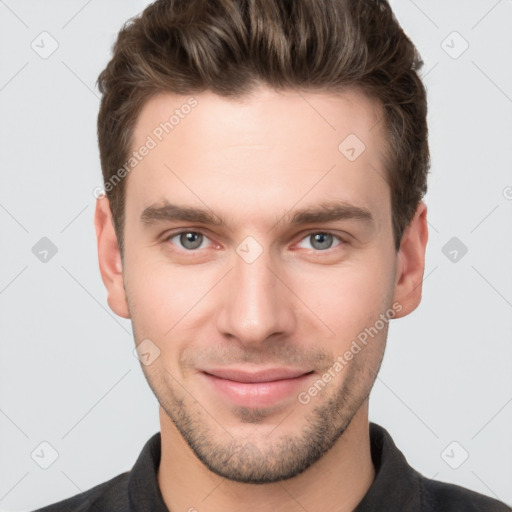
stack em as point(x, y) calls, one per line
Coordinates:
point(257, 394)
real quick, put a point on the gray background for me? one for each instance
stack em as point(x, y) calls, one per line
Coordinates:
point(68, 374)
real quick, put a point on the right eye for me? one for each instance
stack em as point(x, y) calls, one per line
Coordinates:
point(189, 240)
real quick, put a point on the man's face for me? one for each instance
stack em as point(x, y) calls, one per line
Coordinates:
point(260, 298)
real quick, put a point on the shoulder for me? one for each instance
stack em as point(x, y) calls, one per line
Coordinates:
point(445, 497)
point(136, 489)
point(110, 496)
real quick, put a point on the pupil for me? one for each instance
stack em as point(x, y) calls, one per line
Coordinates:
point(324, 240)
point(191, 240)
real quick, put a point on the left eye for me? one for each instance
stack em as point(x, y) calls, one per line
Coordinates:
point(321, 240)
point(189, 240)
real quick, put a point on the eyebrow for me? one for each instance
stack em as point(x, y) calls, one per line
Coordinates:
point(316, 214)
point(171, 212)
point(328, 212)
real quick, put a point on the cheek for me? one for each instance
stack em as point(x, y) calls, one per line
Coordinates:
point(163, 298)
point(347, 298)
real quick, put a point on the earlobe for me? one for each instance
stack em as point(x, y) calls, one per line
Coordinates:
point(411, 262)
point(109, 257)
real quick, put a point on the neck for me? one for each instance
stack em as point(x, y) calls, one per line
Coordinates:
point(335, 483)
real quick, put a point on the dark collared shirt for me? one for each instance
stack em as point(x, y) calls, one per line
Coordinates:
point(397, 487)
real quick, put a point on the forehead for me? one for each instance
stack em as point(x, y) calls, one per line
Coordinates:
point(263, 116)
point(268, 149)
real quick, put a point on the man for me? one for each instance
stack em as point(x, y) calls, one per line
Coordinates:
point(264, 166)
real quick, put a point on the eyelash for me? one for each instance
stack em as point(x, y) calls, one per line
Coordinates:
point(308, 234)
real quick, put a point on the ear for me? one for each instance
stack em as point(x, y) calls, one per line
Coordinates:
point(411, 262)
point(109, 257)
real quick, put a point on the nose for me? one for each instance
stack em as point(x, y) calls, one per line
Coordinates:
point(256, 304)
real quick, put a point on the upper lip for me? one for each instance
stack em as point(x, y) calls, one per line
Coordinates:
point(267, 375)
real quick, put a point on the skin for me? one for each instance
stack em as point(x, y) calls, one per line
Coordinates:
point(299, 304)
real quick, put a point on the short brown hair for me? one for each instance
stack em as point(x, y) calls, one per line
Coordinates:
point(231, 46)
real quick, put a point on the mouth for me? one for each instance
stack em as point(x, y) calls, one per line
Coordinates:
point(263, 388)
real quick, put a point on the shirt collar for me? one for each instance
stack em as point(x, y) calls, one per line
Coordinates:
point(143, 491)
point(395, 483)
